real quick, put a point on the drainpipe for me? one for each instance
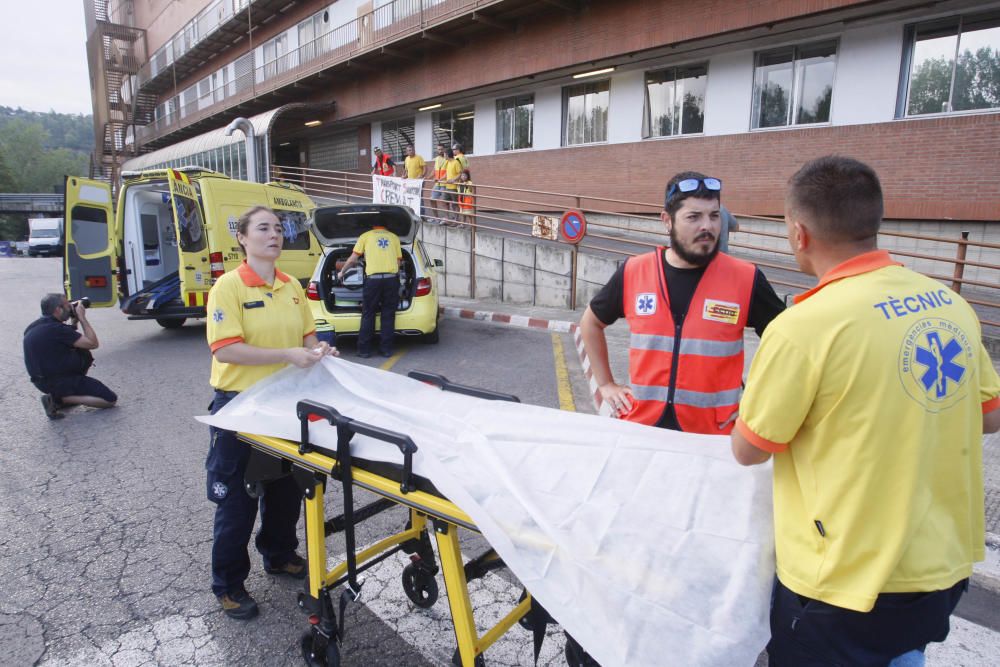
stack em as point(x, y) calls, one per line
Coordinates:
point(247, 128)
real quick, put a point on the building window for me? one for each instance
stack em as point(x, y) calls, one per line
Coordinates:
point(311, 30)
point(274, 61)
point(675, 101)
point(396, 136)
point(454, 127)
point(585, 113)
point(794, 85)
point(952, 65)
point(515, 122)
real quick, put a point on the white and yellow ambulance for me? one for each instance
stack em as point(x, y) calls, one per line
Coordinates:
point(171, 235)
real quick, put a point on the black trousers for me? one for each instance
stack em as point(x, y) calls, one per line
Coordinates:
point(810, 633)
point(380, 295)
point(235, 511)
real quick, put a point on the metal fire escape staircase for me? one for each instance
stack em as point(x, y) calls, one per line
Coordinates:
point(115, 51)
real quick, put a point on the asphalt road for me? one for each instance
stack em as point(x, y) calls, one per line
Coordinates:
point(105, 531)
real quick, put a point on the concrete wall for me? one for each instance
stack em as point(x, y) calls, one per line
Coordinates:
point(513, 270)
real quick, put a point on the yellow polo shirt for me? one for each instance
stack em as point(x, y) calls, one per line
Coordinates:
point(381, 251)
point(414, 166)
point(870, 392)
point(452, 170)
point(242, 308)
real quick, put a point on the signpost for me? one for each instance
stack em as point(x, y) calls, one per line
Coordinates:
point(573, 226)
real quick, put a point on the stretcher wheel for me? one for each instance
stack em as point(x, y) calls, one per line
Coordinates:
point(254, 489)
point(526, 620)
point(420, 586)
point(327, 655)
point(456, 659)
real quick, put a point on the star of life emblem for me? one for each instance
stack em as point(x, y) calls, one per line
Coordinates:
point(218, 315)
point(220, 490)
point(383, 243)
point(645, 303)
point(934, 363)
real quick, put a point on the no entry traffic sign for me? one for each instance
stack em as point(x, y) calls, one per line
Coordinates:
point(573, 226)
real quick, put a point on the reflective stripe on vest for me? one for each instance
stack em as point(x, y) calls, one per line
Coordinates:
point(697, 399)
point(703, 359)
point(704, 348)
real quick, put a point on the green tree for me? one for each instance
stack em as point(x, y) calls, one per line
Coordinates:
point(929, 86)
point(38, 169)
point(773, 105)
point(977, 80)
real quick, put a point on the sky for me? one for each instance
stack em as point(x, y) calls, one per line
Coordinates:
point(43, 56)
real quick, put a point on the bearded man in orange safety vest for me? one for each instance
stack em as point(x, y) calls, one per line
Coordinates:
point(686, 307)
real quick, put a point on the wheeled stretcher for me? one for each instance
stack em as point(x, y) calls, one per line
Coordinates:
point(396, 485)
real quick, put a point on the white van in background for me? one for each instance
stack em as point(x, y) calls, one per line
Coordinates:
point(45, 236)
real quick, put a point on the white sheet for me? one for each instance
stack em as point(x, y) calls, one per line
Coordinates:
point(650, 547)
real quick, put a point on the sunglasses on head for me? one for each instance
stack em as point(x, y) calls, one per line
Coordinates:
point(692, 184)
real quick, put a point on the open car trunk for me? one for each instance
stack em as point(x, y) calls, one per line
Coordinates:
point(345, 297)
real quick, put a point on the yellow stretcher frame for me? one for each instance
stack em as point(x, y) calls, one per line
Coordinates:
point(311, 467)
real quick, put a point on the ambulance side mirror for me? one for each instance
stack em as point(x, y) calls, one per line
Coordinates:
point(438, 264)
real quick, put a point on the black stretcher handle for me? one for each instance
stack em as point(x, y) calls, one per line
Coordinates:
point(306, 408)
point(441, 382)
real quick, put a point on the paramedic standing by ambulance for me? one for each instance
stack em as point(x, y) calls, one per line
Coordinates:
point(382, 254)
point(872, 394)
point(686, 306)
point(259, 322)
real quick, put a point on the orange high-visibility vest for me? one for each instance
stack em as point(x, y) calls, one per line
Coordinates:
point(440, 168)
point(697, 367)
point(382, 165)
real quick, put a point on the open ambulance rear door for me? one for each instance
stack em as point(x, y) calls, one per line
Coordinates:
point(195, 271)
point(91, 252)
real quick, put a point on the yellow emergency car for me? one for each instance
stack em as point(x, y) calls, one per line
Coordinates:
point(336, 303)
point(171, 235)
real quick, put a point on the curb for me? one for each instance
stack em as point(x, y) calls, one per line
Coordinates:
point(525, 322)
point(522, 321)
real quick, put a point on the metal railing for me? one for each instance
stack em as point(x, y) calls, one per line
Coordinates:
point(201, 26)
point(372, 30)
point(515, 212)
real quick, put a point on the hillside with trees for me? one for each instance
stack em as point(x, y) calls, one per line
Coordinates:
point(37, 150)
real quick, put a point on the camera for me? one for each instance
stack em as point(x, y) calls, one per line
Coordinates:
point(84, 300)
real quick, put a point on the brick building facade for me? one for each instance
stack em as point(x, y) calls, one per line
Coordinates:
point(600, 97)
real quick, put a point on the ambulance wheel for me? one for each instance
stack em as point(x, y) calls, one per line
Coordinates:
point(420, 586)
point(316, 655)
point(171, 322)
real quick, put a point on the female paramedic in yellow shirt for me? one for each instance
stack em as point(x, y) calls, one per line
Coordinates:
point(258, 322)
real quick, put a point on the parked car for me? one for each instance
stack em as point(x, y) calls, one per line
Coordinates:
point(336, 304)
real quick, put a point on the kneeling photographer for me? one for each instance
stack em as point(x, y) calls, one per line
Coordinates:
point(58, 357)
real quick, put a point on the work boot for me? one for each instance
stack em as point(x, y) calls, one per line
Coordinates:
point(51, 407)
point(294, 568)
point(238, 604)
